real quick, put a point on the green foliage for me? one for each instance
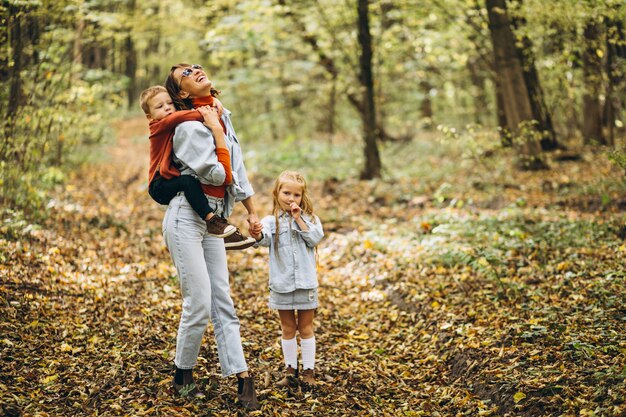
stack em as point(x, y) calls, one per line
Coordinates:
point(618, 156)
point(57, 106)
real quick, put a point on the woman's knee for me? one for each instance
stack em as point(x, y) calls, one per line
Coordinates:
point(306, 330)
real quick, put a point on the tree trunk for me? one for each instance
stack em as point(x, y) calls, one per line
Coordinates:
point(477, 78)
point(535, 92)
point(616, 51)
point(505, 136)
point(372, 166)
point(78, 41)
point(327, 62)
point(592, 75)
point(332, 109)
point(16, 95)
point(517, 104)
point(131, 70)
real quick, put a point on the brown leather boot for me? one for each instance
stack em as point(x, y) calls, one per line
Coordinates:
point(185, 386)
point(246, 393)
point(308, 377)
point(290, 379)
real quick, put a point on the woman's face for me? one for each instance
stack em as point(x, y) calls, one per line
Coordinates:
point(193, 81)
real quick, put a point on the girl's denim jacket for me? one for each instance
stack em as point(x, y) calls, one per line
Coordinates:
point(293, 265)
point(194, 154)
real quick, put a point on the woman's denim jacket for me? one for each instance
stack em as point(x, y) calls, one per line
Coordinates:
point(293, 265)
point(194, 154)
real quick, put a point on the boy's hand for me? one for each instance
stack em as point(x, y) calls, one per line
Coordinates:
point(295, 210)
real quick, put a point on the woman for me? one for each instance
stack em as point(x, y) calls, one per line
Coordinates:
point(200, 259)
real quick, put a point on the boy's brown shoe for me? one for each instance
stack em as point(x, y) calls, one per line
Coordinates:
point(290, 379)
point(238, 241)
point(308, 377)
point(217, 226)
point(246, 393)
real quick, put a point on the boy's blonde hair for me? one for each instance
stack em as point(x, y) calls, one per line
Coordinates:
point(148, 94)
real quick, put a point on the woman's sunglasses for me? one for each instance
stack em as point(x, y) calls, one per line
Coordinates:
point(187, 72)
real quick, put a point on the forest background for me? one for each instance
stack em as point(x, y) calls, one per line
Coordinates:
point(467, 159)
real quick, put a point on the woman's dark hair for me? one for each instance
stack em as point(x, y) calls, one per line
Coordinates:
point(174, 90)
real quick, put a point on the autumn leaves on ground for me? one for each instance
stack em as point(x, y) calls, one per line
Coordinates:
point(501, 297)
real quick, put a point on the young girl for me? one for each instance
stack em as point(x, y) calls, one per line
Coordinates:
point(292, 233)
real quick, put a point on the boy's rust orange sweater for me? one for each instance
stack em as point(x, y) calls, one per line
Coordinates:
point(161, 144)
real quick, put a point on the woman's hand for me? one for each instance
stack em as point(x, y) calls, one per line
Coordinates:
point(211, 117)
point(254, 225)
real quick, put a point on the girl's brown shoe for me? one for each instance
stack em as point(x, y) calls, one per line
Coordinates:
point(308, 377)
point(290, 379)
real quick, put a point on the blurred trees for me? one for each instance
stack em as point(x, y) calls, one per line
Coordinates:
point(293, 70)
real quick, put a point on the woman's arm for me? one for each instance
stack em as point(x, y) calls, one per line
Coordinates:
point(194, 148)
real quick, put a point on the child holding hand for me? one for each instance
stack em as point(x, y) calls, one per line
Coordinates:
point(292, 232)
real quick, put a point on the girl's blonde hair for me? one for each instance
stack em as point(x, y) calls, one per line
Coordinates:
point(305, 203)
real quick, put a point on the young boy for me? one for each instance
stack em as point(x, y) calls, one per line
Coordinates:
point(164, 179)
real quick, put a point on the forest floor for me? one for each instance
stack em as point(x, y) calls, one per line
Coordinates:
point(481, 295)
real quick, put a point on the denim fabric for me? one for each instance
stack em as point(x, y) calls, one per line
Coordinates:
point(292, 266)
point(194, 154)
point(203, 274)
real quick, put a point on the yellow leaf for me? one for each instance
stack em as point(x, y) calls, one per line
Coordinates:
point(368, 244)
point(435, 304)
point(519, 396)
point(600, 53)
point(66, 348)
point(49, 379)
point(393, 315)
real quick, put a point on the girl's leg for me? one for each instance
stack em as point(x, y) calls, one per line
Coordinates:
point(288, 323)
point(307, 344)
point(288, 340)
point(305, 323)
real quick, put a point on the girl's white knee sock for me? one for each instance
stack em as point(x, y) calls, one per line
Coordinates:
point(290, 352)
point(308, 353)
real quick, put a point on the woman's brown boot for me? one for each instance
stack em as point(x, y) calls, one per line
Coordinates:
point(290, 379)
point(184, 384)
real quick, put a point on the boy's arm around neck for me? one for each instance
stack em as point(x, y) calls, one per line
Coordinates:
point(169, 123)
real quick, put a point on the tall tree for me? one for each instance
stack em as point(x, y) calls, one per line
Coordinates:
point(616, 53)
point(541, 114)
point(592, 75)
point(516, 100)
point(372, 166)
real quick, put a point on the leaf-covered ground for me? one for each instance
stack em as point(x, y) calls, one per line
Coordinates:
point(496, 295)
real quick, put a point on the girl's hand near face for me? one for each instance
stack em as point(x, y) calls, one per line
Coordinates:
point(295, 210)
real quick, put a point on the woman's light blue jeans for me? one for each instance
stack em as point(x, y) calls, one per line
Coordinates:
point(200, 260)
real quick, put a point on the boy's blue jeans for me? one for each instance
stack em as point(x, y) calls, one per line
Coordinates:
point(203, 274)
